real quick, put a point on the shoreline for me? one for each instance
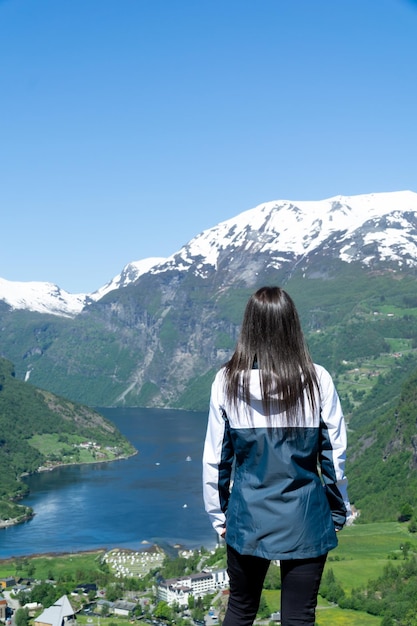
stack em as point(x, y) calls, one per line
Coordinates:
point(44, 468)
point(170, 549)
point(4, 524)
point(50, 555)
point(15, 521)
point(145, 546)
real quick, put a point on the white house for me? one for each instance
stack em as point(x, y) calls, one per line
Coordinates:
point(178, 590)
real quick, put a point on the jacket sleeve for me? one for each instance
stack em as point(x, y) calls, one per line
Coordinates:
point(217, 461)
point(332, 454)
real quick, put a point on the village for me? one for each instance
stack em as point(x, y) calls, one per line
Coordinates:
point(193, 598)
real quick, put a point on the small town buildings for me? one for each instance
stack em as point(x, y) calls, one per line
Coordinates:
point(59, 614)
point(178, 590)
point(119, 607)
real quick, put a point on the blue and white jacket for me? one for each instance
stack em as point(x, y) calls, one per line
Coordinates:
point(289, 491)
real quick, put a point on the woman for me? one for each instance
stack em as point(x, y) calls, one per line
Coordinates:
point(276, 418)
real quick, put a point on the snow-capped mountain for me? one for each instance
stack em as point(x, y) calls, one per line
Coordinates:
point(369, 228)
point(43, 297)
point(158, 342)
point(364, 228)
point(129, 274)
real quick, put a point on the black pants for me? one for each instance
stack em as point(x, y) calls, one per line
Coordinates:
point(300, 581)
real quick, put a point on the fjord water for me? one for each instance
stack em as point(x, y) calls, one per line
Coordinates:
point(154, 496)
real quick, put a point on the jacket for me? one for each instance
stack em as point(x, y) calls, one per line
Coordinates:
point(288, 495)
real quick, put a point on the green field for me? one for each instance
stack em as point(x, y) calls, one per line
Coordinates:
point(328, 614)
point(53, 567)
point(336, 617)
point(364, 550)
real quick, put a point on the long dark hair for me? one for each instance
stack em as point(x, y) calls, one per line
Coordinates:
point(271, 339)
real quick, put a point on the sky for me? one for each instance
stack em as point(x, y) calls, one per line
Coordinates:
point(127, 127)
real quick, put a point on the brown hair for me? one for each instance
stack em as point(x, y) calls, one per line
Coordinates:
point(272, 340)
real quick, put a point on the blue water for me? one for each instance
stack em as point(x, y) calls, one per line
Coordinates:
point(154, 496)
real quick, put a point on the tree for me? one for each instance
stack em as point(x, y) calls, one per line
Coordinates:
point(163, 610)
point(174, 568)
point(330, 588)
point(412, 526)
point(31, 569)
point(105, 608)
point(264, 611)
point(21, 617)
point(114, 592)
point(406, 512)
point(273, 578)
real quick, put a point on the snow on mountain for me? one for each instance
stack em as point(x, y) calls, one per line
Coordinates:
point(365, 228)
point(285, 228)
point(129, 274)
point(45, 297)
point(41, 297)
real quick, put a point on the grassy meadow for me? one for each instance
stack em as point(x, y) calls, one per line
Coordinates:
point(328, 614)
point(47, 567)
point(365, 549)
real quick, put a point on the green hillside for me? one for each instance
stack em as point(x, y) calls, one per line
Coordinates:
point(39, 429)
point(158, 343)
point(382, 465)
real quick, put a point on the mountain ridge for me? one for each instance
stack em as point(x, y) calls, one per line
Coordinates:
point(296, 229)
point(158, 339)
point(285, 229)
point(48, 298)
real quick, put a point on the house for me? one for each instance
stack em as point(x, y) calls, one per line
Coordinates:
point(21, 588)
point(85, 589)
point(28, 582)
point(178, 590)
point(59, 614)
point(7, 582)
point(122, 607)
point(32, 607)
point(104, 603)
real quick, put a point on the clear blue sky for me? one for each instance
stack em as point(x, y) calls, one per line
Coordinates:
point(129, 126)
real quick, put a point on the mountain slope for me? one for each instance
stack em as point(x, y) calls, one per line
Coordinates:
point(37, 429)
point(158, 336)
point(382, 462)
